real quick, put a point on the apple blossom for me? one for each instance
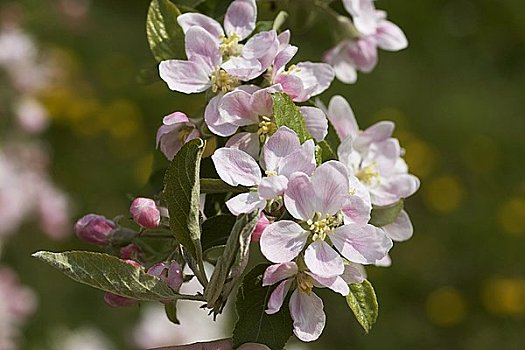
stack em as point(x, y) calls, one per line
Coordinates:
point(171, 273)
point(176, 130)
point(94, 229)
point(145, 212)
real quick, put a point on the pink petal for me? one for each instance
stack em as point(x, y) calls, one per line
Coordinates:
point(188, 20)
point(394, 188)
point(342, 117)
point(201, 45)
point(282, 143)
point(323, 260)
point(316, 78)
point(363, 54)
point(185, 76)
point(354, 273)
point(362, 244)
point(390, 37)
point(315, 121)
point(235, 109)
point(330, 181)
point(273, 186)
point(284, 56)
point(245, 141)
point(339, 59)
point(263, 47)
point(245, 203)
point(401, 229)
point(385, 262)
point(243, 68)
point(175, 118)
point(299, 197)
point(302, 160)
point(277, 297)
point(236, 167)
point(308, 316)
point(336, 283)
point(378, 132)
point(278, 272)
point(240, 18)
point(356, 210)
point(284, 37)
point(282, 241)
point(261, 100)
point(292, 85)
point(214, 120)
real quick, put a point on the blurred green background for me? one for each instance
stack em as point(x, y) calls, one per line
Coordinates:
point(457, 95)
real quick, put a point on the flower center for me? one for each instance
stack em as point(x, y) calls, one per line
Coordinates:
point(222, 81)
point(266, 128)
point(320, 226)
point(368, 174)
point(304, 283)
point(230, 46)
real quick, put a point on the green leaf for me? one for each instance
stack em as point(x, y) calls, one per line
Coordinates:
point(109, 274)
point(327, 151)
point(254, 325)
point(363, 302)
point(171, 312)
point(165, 36)
point(232, 262)
point(287, 114)
point(263, 26)
point(216, 230)
point(318, 155)
point(219, 186)
point(181, 193)
point(382, 216)
point(279, 20)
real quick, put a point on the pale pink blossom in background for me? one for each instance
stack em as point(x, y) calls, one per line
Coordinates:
point(176, 130)
point(82, 338)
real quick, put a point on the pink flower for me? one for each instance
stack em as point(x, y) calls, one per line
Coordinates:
point(259, 228)
point(94, 229)
point(145, 212)
point(306, 308)
point(115, 300)
point(177, 129)
point(282, 156)
point(170, 273)
point(131, 251)
point(327, 207)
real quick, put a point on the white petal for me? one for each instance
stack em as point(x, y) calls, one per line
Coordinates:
point(308, 315)
point(362, 244)
point(235, 108)
point(316, 78)
point(188, 20)
point(245, 203)
point(401, 229)
point(282, 241)
point(277, 297)
point(245, 141)
point(354, 273)
point(243, 68)
point(201, 45)
point(323, 260)
point(282, 143)
point(240, 18)
point(390, 37)
point(263, 47)
point(330, 181)
point(272, 186)
point(315, 121)
point(236, 167)
point(336, 283)
point(278, 272)
point(342, 117)
point(185, 76)
point(302, 160)
point(214, 121)
point(299, 197)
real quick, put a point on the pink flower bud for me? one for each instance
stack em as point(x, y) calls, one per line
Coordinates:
point(94, 229)
point(259, 228)
point(145, 212)
point(171, 274)
point(114, 300)
point(133, 263)
point(130, 251)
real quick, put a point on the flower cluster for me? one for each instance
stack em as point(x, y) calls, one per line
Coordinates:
point(368, 31)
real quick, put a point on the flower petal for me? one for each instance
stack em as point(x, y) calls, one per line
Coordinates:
point(240, 18)
point(201, 45)
point(362, 244)
point(243, 68)
point(356, 210)
point(261, 100)
point(282, 143)
point(330, 181)
point(185, 76)
point(390, 37)
point(277, 297)
point(291, 84)
point(214, 120)
point(378, 132)
point(236, 167)
point(278, 272)
point(323, 260)
point(282, 241)
point(308, 315)
point(316, 78)
point(262, 46)
point(342, 117)
point(235, 108)
point(401, 229)
point(284, 56)
point(336, 283)
point(385, 262)
point(302, 160)
point(354, 273)
point(299, 197)
point(245, 141)
point(315, 121)
point(272, 186)
point(245, 203)
point(188, 20)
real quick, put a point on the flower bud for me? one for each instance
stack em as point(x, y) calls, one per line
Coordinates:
point(94, 229)
point(130, 251)
point(145, 212)
point(171, 274)
point(259, 228)
point(114, 300)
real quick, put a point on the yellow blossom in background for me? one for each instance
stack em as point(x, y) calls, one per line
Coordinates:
point(420, 156)
point(446, 307)
point(143, 169)
point(504, 296)
point(511, 216)
point(443, 194)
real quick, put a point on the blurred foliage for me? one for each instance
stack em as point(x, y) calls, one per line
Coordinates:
point(456, 95)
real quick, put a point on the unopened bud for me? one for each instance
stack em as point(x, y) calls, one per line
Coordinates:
point(145, 212)
point(114, 300)
point(170, 273)
point(94, 229)
point(259, 228)
point(130, 251)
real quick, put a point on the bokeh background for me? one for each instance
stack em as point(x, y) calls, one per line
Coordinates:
point(457, 95)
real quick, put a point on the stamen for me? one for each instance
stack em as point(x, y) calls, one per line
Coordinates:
point(368, 174)
point(222, 81)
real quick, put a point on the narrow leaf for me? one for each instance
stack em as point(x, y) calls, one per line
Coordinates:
point(171, 312)
point(382, 216)
point(181, 193)
point(253, 324)
point(219, 186)
point(363, 302)
point(328, 153)
point(287, 114)
point(109, 274)
point(165, 36)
